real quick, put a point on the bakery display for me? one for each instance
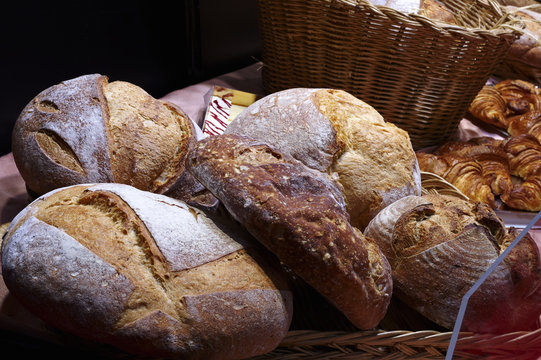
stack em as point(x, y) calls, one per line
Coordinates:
point(300, 211)
point(300, 215)
point(439, 246)
point(90, 130)
point(337, 134)
point(145, 273)
point(500, 171)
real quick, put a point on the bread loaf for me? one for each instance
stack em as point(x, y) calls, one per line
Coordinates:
point(439, 246)
point(145, 273)
point(90, 130)
point(299, 214)
point(337, 134)
point(523, 59)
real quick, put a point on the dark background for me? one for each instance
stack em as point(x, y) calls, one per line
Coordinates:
point(160, 46)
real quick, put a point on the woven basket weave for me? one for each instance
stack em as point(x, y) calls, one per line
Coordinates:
point(405, 345)
point(419, 74)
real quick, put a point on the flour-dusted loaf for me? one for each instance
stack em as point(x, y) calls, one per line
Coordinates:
point(439, 246)
point(145, 273)
point(335, 133)
point(90, 130)
point(299, 214)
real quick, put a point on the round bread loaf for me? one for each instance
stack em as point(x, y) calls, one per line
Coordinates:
point(299, 214)
point(145, 273)
point(439, 246)
point(333, 132)
point(87, 130)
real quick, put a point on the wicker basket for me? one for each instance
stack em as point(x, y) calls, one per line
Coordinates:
point(419, 74)
point(405, 345)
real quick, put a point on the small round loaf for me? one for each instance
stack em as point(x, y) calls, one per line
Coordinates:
point(333, 132)
point(439, 246)
point(299, 214)
point(145, 273)
point(90, 130)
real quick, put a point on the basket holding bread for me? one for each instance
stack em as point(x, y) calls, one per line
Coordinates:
point(145, 235)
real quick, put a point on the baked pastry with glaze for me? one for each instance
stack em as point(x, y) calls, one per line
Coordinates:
point(465, 174)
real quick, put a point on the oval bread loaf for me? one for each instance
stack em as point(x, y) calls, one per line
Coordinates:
point(145, 273)
point(90, 130)
point(335, 133)
point(300, 215)
point(439, 246)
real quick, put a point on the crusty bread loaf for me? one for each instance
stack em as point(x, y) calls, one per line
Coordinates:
point(145, 273)
point(299, 214)
point(338, 134)
point(523, 59)
point(439, 246)
point(90, 130)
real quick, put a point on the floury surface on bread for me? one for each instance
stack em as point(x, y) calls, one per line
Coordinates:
point(337, 134)
point(299, 214)
point(439, 246)
point(145, 273)
point(90, 130)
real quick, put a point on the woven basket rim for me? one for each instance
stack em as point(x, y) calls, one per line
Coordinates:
point(301, 341)
point(509, 23)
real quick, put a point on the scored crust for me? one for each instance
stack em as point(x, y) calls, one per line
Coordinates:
point(299, 214)
point(439, 246)
point(87, 130)
point(113, 264)
point(335, 133)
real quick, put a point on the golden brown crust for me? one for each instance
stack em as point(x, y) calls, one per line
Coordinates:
point(113, 264)
point(463, 172)
point(524, 153)
point(511, 167)
point(441, 245)
point(512, 104)
point(334, 132)
point(490, 155)
point(435, 10)
point(490, 107)
point(299, 214)
point(88, 130)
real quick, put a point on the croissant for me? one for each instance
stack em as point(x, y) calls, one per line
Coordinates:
point(520, 96)
point(490, 107)
point(489, 153)
point(512, 105)
point(524, 154)
point(524, 123)
point(465, 174)
point(525, 196)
